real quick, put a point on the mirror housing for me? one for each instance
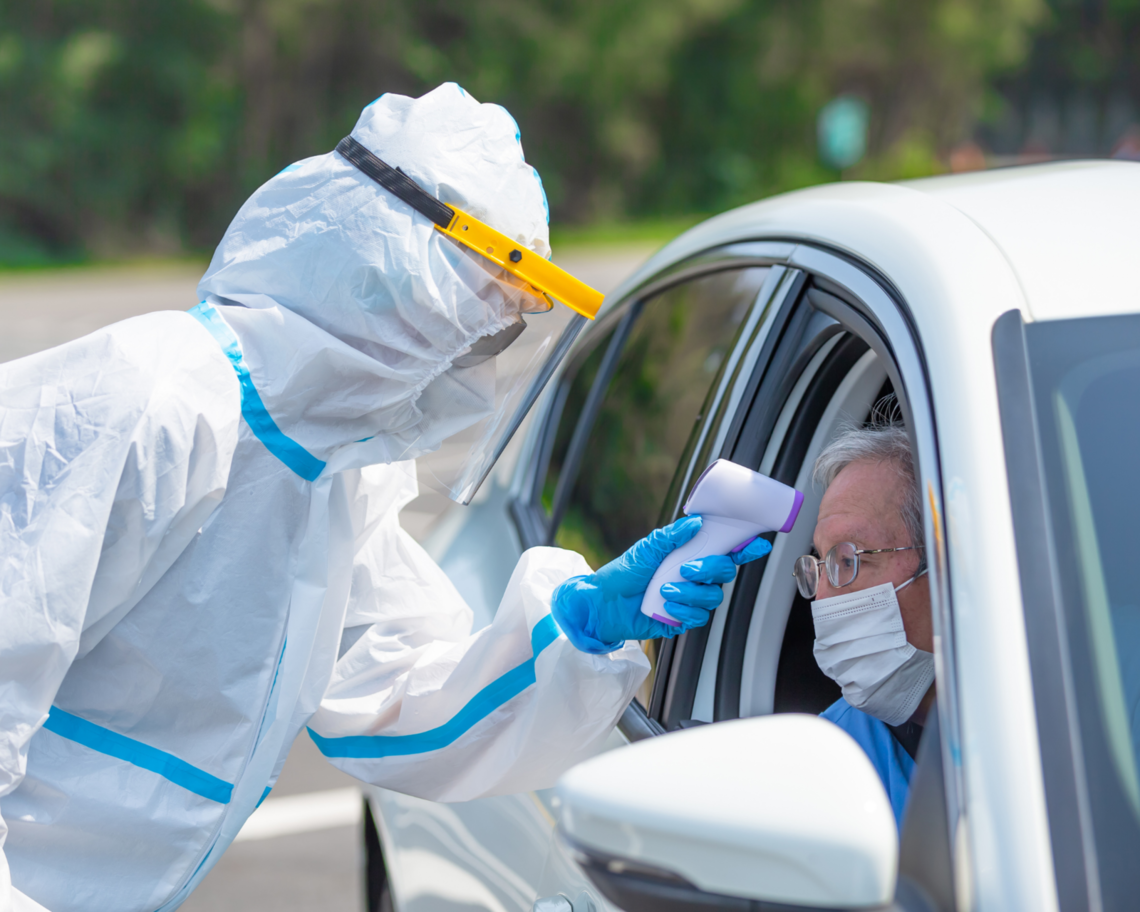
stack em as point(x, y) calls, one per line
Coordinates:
point(777, 809)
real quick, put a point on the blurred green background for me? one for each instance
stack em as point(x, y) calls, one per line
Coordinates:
point(137, 127)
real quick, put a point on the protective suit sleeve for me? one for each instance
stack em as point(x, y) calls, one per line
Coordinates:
point(114, 449)
point(419, 704)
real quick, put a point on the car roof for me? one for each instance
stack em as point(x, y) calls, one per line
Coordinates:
point(1066, 234)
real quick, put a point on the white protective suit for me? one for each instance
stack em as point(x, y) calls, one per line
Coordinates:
point(199, 547)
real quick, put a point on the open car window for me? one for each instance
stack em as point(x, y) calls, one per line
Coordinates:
point(673, 352)
point(757, 655)
point(779, 671)
point(627, 409)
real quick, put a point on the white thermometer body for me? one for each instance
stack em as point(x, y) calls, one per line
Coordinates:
point(735, 505)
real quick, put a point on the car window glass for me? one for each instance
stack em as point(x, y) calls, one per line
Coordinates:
point(574, 389)
point(670, 359)
point(649, 409)
point(1091, 418)
point(1085, 373)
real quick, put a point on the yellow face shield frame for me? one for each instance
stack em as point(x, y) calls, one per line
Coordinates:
point(547, 280)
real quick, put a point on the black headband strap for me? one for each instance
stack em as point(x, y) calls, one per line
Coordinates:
point(395, 181)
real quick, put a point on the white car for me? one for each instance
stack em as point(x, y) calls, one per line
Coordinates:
point(1002, 310)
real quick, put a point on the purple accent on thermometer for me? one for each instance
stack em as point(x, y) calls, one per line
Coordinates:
point(744, 544)
point(787, 527)
point(665, 620)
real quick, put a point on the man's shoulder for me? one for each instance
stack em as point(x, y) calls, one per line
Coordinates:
point(881, 747)
point(851, 719)
point(839, 712)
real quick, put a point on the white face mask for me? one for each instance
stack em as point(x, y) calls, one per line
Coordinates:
point(860, 644)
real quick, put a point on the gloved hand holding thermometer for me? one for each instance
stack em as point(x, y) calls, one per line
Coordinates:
point(735, 505)
point(670, 580)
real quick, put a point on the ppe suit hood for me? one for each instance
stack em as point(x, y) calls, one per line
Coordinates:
point(347, 304)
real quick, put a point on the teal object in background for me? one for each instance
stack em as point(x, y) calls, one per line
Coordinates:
point(842, 131)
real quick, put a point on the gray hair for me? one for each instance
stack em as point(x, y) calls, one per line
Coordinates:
point(877, 442)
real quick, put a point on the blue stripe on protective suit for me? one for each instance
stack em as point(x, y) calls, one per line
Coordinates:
point(105, 741)
point(490, 698)
point(253, 410)
point(890, 759)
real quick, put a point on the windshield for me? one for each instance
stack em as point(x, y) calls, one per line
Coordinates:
point(1086, 388)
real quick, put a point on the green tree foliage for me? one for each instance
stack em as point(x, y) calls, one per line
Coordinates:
point(1078, 91)
point(923, 67)
point(134, 124)
point(749, 87)
point(116, 122)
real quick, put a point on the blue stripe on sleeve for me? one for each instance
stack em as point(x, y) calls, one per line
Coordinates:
point(295, 456)
point(545, 632)
point(105, 741)
point(490, 698)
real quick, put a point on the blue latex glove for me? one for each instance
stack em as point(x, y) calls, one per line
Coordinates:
point(599, 612)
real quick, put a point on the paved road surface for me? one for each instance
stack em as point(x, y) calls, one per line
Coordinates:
point(305, 852)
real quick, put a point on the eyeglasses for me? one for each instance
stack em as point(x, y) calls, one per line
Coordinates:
point(841, 563)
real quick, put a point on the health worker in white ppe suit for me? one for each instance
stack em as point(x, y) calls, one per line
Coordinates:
point(199, 548)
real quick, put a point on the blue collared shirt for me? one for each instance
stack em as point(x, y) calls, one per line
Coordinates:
point(890, 759)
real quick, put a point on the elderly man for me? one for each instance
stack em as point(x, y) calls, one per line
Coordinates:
point(871, 605)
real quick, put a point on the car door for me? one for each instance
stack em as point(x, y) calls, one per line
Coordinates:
point(618, 423)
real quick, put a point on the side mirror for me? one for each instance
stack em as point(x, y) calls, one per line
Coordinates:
point(777, 809)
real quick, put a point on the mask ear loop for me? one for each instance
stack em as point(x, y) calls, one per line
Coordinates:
point(902, 586)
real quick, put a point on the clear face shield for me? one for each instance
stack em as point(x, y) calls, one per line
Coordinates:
point(476, 405)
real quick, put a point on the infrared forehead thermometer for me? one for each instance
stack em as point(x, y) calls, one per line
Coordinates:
point(735, 505)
